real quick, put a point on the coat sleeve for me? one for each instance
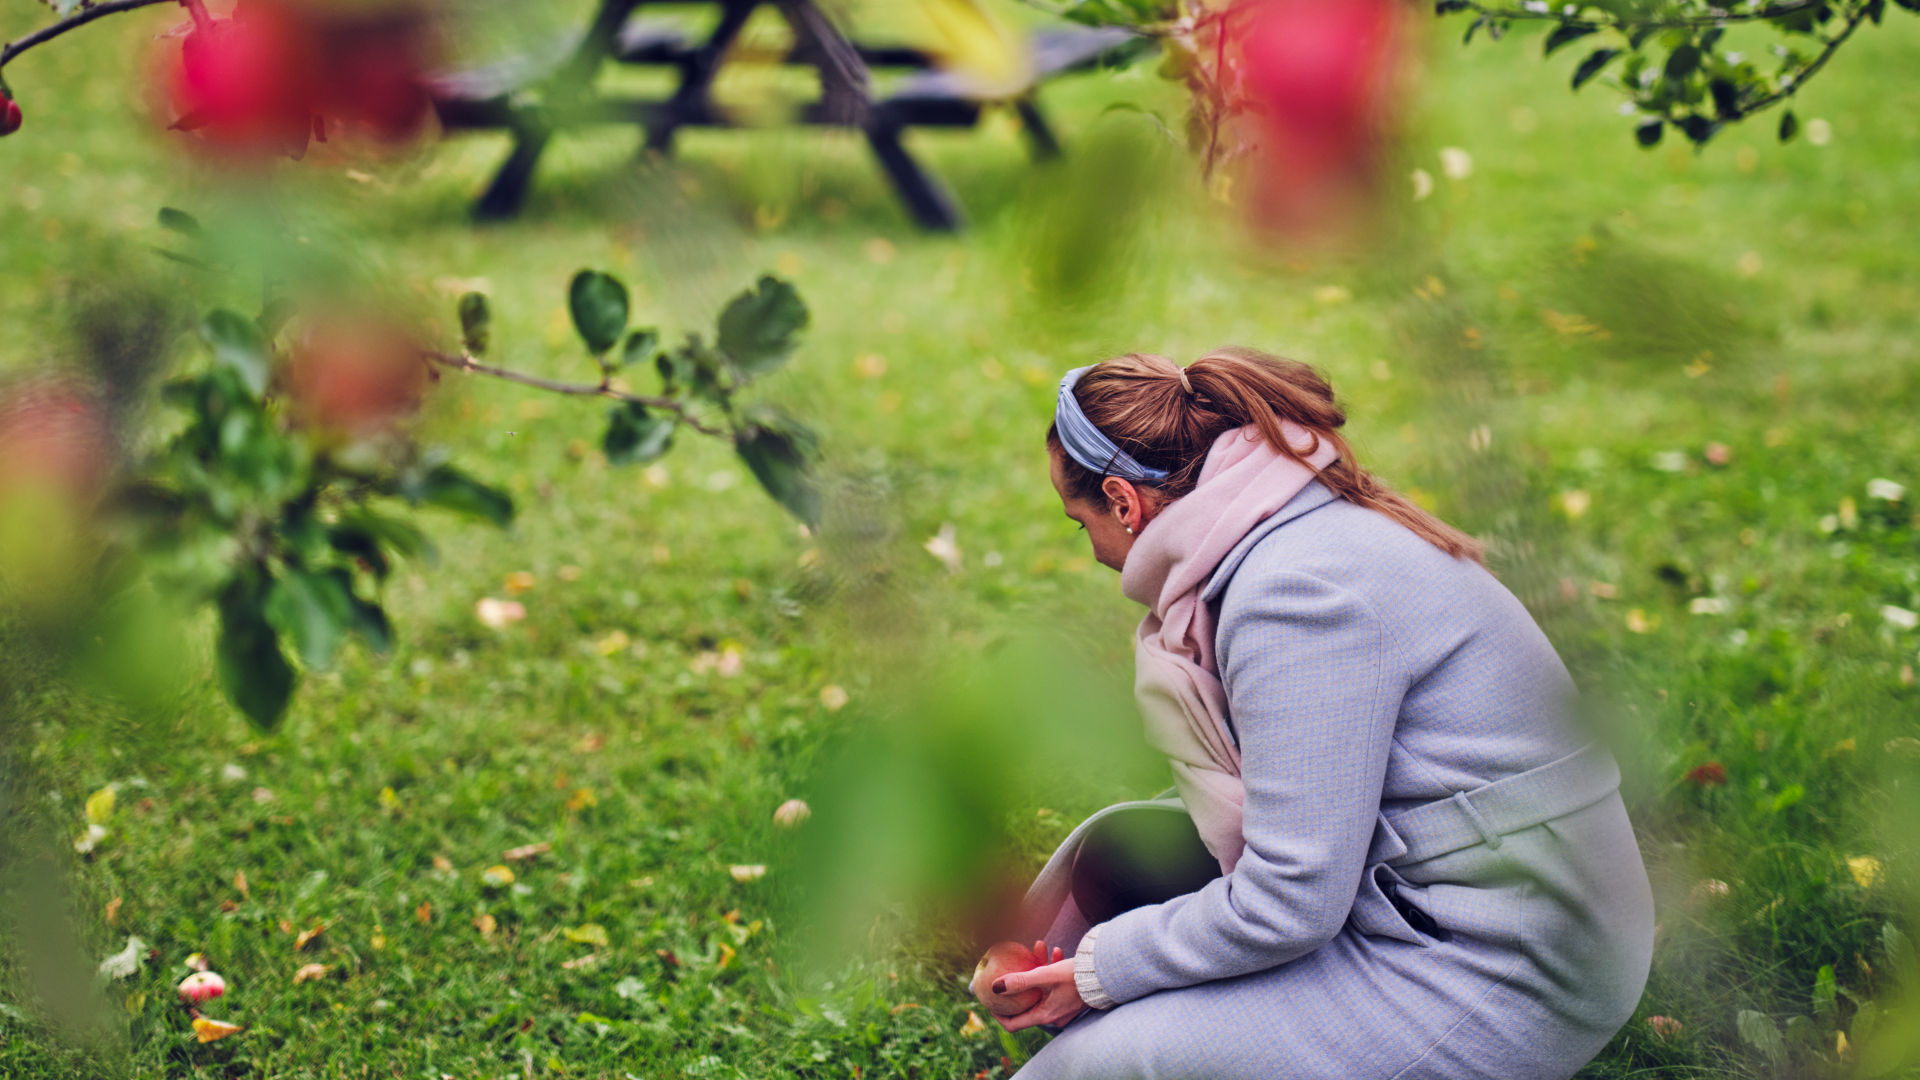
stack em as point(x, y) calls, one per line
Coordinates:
point(1314, 684)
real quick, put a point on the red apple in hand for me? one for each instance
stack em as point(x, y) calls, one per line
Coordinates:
point(1003, 959)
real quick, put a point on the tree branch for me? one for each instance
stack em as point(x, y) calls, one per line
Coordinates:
point(73, 22)
point(1719, 18)
point(1800, 77)
point(603, 389)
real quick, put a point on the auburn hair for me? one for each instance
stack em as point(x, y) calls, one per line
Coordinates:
point(1168, 417)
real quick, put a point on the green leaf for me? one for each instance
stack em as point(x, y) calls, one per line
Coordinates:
point(254, 673)
point(1788, 796)
point(237, 343)
point(312, 610)
point(1683, 61)
point(1649, 132)
point(760, 328)
point(180, 221)
point(1789, 126)
point(780, 452)
point(599, 305)
point(1825, 993)
point(1759, 1031)
point(1591, 66)
point(476, 322)
point(451, 489)
point(1564, 34)
point(640, 347)
point(1803, 1032)
point(636, 434)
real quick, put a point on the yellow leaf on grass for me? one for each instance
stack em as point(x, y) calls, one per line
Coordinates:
point(305, 936)
point(388, 799)
point(310, 972)
point(581, 799)
point(973, 1028)
point(727, 954)
point(498, 877)
point(100, 805)
point(486, 924)
point(587, 934)
point(424, 912)
point(1865, 870)
point(210, 1030)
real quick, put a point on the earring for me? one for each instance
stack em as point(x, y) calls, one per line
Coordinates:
point(1129, 529)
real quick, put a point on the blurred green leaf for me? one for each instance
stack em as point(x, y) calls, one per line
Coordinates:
point(760, 328)
point(180, 221)
point(476, 322)
point(636, 434)
point(312, 610)
point(254, 673)
point(1591, 66)
point(1789, 796)
point(238, 344)
point(1825, 995)
point(599, 305)
point(1789, 125)
point(780, 451)
point(452, 489)
point(1565, 34)
point(640, 347)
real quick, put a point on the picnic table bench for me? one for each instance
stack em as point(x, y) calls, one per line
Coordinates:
point(560, 73)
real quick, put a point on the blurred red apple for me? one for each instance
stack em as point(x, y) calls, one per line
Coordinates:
point(280, 72)
point(9, 115)
point(1001, 959)
point(355, 374)
point(1307, 88)
point(53, 434)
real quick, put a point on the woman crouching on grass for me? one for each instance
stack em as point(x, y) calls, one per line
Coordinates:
point(1393, 853)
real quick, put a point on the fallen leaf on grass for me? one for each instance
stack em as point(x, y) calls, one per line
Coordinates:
point(126, 961)
point(100, 805)
point(833, 698)
point(581, 963)
point(310, 972)
point(747, 873)
point(1666, 1027)
point(207, 1030)
point(498, 877)
point(943, 547)
point(486, 924)
point(727, 953)
point(1865, 870)
point(520, 581)
point(581, 799)
point(197, 962)
point(113, 910)
point(424, 913)
point(443, 864)
point(523, 853)
point(240, 884)
point(973, 1028)
point(904, 1006)
point(87, 841)
point(305, 936)
point(612, 643)
point(791, 813)
point(587, 934)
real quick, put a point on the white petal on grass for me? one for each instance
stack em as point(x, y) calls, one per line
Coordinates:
point(1882, 488)
point(941, 546)
point(1456, 163)
point(1422, 184)
point(1900, 617)
point(1708, 605)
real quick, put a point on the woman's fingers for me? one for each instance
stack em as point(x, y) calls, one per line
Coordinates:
point(1058, 953)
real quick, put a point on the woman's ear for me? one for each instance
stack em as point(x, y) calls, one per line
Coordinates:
point(1124, 502)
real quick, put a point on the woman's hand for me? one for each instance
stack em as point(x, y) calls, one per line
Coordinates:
point(1059, 996)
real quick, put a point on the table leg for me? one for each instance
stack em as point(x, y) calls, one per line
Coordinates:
point(926, 200)
point(508, 191)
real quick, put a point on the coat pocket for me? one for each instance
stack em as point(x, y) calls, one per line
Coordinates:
point(1380, 911)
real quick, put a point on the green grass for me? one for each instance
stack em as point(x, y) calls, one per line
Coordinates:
point(1757, 296)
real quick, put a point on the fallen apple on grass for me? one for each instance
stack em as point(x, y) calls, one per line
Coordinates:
point(1001, 960)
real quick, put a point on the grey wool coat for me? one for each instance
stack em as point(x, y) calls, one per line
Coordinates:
point(1439, 879)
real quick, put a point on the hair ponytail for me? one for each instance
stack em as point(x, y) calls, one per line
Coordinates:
point(1168, 418)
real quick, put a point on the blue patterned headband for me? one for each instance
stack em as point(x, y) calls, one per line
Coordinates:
point(1090, 446)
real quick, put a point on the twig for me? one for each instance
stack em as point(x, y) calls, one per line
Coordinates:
point(1800, 77)
point(1719, 18)
point(73, 22)
point(601, 389)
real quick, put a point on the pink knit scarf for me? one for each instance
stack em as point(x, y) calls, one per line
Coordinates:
point(1243, 482)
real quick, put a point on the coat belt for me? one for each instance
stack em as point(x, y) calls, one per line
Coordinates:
point(1486, 814)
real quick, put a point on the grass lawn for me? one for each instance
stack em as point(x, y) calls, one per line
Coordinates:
point(1659, 381)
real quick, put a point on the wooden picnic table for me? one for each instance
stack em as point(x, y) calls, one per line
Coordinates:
point(535, 94)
